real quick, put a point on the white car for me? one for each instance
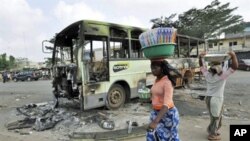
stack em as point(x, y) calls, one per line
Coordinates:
point(244, 64)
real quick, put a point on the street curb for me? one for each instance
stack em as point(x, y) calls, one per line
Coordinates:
point(121, 134)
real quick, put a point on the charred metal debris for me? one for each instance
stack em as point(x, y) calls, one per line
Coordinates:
point(41, 117)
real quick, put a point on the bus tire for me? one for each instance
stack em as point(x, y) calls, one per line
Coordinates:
point(116, 97)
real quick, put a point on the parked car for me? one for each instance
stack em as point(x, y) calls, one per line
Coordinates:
point(244, 64)
point(26, 76)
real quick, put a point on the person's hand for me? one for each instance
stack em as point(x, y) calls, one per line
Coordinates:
point(231, 53)
point(152, 125)
point(202, 54)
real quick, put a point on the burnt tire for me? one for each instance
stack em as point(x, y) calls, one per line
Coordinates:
point(116, 97)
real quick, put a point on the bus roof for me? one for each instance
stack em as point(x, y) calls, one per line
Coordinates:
point(71, 31)
point(99, 28)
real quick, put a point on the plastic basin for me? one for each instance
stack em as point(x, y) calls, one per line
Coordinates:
point(216, 58)
point(159, 51)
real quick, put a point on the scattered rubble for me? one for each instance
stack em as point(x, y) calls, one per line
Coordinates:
point(43, 116)
point(131, 120)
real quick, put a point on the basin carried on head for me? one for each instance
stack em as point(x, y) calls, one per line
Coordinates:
point(216, 58)
point(159, 51)
point(158, 42)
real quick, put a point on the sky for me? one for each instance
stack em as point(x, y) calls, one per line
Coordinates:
point(24, 24)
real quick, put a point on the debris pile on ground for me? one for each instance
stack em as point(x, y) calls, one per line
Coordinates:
point(43, 116)
point(39, 116)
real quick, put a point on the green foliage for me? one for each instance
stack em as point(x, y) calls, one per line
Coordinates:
point(12, 61)
point(6, 64)
point(210, 21)
point(48, 62)
point(163, 22)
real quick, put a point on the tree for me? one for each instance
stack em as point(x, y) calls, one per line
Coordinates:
point(210, 21)
point(12, 61)
point(6, 64)
point(163, 22)
point(48, 62)
point(3, 62)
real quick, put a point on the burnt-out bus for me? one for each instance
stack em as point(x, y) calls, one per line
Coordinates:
point(102, 64)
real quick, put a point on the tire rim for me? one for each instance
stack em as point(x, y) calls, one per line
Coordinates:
point(115, 97)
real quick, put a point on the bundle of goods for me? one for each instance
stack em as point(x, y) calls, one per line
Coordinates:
point(216, 58)
point(158, 42)
point(144, 94)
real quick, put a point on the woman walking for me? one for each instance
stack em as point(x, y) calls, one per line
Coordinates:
point(164, 118)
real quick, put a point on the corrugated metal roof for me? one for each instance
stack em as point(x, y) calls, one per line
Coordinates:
point(237, 35)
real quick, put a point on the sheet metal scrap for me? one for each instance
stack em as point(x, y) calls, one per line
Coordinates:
point(102, 119)
point(34, 110)
point(43, 123)
point(20, 124)
point(40, 117)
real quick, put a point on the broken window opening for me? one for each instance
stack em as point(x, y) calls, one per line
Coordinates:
point(96, 52)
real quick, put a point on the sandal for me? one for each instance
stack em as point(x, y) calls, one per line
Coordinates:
point(214, 137)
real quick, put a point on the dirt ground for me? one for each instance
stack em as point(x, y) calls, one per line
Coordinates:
point(193, 114)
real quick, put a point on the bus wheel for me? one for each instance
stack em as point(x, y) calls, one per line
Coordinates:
point(116, 97)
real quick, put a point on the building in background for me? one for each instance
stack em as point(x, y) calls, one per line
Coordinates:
point(237, 42)
point(24, 63)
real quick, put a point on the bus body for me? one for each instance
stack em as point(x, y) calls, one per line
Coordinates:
point(102, 64)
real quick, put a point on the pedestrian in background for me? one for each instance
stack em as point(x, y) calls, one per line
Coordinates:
point(4, 76)
point(216, 78)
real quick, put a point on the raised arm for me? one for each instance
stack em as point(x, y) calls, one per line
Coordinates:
point(201, 61)
point(234, 60)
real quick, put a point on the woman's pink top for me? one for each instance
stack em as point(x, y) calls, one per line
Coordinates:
point(162, 93)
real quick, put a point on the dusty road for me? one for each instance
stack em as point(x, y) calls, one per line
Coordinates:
point(194, 118)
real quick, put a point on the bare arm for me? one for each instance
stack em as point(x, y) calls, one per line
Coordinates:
point(234, 60)
point(162, 112)
point(201, 62)
point(159, 116)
